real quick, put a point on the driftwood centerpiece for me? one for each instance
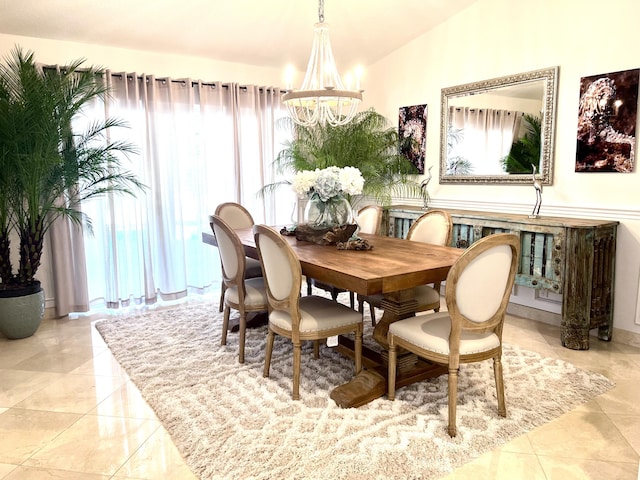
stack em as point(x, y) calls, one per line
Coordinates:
point(325, 236)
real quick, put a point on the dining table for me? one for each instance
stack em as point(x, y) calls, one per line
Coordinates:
point(392, 267)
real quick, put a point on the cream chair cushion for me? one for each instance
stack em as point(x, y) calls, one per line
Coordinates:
point(254, 290)
point(369, 219)
point(431, 229)
point(431, 332)
point(480, 288)
point(313, 312)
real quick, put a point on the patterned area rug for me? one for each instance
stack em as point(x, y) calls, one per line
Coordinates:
point(231, 423)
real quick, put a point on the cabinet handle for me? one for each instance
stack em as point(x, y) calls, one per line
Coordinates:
point(534, 282)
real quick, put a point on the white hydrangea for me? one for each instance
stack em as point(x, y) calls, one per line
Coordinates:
point(304, 181)
point(328, 182)
point(351, 181)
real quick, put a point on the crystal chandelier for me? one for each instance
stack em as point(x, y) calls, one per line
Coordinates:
point(322, 97)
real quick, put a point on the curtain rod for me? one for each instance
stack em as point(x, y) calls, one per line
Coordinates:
point(165, 79)
point(195, 83)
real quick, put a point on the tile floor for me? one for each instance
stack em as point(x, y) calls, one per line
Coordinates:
point(68, 411)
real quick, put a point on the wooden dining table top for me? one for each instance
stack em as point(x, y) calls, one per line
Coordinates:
point(393, 264)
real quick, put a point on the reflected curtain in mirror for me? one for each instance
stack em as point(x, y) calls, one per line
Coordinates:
point(488, 135)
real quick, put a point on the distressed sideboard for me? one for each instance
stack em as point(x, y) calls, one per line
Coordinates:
point(570, 256)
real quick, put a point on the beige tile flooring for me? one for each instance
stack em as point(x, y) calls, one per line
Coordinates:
point(68, 411)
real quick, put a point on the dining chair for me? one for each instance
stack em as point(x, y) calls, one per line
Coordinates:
point(436, 227)
point(299, 318)
point(369, 220)
point(244, 295)
point(237, 216)
point(477, 293)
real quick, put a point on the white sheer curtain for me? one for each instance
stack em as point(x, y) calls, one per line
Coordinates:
point(200, 144)
point(487, 136)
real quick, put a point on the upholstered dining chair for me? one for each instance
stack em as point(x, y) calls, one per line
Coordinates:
point(296, 317)
point(236, 216)
point(369, 220)
point(434, 226)
point(243, 295)
point(477, 294)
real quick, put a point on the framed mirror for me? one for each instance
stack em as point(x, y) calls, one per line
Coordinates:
point(499, 130)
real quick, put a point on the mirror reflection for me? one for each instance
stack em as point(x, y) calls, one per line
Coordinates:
point(499, 130)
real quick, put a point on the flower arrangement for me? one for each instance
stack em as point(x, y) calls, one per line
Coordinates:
point(328, 182)
point(327, 190)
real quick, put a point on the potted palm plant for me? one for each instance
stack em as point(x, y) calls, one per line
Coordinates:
point(47, 169)
point(367, 143)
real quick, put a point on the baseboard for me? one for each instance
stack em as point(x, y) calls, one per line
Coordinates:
point(536, 314)
point(618, 335)
point(626, 337)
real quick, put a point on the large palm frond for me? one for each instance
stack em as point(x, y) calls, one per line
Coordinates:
point(367, 142)
point(52, 166)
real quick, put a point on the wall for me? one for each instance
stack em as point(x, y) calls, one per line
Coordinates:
point(141, 61)
point(493, 38)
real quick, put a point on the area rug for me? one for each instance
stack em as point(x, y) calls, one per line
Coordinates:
point(231, 423)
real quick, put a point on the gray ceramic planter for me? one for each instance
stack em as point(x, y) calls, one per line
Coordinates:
point(20, 316)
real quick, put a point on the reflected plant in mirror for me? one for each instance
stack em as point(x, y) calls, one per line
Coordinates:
point(493, 131)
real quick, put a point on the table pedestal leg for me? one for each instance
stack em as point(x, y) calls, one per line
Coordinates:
point(371, 383)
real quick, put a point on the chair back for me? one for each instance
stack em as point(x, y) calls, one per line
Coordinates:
point(235, 215)
point(369, 219)
point(281, 270)
point(479, 284)
point(434, 226)
point(231, 252)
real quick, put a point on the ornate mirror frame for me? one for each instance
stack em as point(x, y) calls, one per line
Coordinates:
point(547, 80)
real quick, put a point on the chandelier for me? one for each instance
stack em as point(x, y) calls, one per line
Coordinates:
point(322, 98)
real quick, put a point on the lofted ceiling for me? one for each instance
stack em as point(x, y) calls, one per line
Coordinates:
point(269, 33)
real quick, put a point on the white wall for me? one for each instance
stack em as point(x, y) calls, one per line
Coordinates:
point(493, 38)
point(142, 61)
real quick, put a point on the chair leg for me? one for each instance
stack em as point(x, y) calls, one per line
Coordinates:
point(391, 375)
point(221, 305)
point(267, 353)
point(242, 336)
point(352, 300)
point(308, 286)
point(297, 354)
point(372, 311)
point(358, 348)
point(225, 325)
point(453, 400)
point(316, 349)
point(497, 372)
point(436, 286)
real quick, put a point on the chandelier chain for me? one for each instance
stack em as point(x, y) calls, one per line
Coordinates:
point(321, 11)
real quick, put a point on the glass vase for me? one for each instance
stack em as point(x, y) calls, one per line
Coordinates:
point(335, 211)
